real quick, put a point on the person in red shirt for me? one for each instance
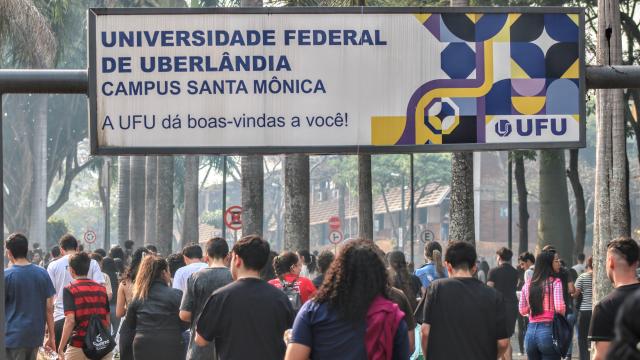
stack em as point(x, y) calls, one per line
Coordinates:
point(287, 267)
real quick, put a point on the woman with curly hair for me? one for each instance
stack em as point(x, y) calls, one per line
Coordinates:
point(288, 266)
point(351, 316)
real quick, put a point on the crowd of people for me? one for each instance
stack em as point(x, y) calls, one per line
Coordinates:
point(248, 302)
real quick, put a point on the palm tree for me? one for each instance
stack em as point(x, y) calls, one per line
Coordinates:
point(137, 194)
point(151, 174)
point(296, 202)
point(190, 218)
point(124, 199)
point(164, 205)
point(461, 211)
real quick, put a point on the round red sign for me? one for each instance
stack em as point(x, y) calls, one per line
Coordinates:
point(233, 217)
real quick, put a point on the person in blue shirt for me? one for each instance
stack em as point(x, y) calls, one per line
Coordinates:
point(28, 300)
point(433, 269)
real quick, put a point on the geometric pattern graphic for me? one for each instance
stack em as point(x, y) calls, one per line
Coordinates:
point(494, 66)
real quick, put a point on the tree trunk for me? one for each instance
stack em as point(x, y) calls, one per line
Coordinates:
point(554, 225)
point(38, 218)
point(151, 174)
point(341, 207)
point(365, 198)
point(296, 202)
point(164, 205)
point(136, 217)
point(611, 197)
point(124, 199)
point(252, 194)
point(581, 216)
point(461, 213)
point(523, 212)
point(190, 219)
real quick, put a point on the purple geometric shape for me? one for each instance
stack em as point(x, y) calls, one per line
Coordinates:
point(480, 121)
point(528, 87)
point(433, 25)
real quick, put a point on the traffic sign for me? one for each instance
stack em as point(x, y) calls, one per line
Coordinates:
point(334, 223)
point(90, 236)
point(427, 236)
point(336, 237)
point(233, 217)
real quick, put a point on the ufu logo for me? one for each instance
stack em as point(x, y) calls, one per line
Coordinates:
point(532, 126)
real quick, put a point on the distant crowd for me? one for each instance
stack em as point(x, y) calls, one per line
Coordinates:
point(248, 302)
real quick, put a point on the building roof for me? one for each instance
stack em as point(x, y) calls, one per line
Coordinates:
point(431, 195)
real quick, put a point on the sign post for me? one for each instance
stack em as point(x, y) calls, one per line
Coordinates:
point(233, 220)
point(90, 237)
point(427, 236)
point(336, 237)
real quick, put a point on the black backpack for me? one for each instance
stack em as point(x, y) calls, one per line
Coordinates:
point(292, 293)
point(98, 341)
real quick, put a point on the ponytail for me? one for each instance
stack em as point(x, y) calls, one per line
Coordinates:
point(437, 259)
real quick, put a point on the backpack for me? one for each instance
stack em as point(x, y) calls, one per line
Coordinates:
point(292, 293)
point(98, 341)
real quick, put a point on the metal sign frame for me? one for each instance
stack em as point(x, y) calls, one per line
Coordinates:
point(370, 149)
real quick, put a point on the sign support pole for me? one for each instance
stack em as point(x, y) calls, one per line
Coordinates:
point(412, 201)
point(510, 203)
point(224, 194)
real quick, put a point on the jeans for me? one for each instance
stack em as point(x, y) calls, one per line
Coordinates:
point(584, 318)
point(538, 342)
point(572, 319)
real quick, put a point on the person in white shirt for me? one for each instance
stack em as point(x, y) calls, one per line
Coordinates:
point(61, 277)
point(193, 259)
point(580, 267)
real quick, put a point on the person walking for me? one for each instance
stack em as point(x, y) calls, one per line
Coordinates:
point(28, 303)
point(584, 295)
point(61, 277)
point(621, 265)
point(504, 278)
point(82, 299)
point(351, 317)
point(525, 266)
point(288, 268)
point(192, 255)
point(402, 279)
point(124, 298)
point(153, 314)
point(324, 261)
point(199, 287)
point(627, 331)
point(247, 318)
point(580, 267)
point(541, 298)
point(462, 310)
point(433, 269)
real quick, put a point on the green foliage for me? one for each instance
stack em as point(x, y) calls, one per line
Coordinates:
point(213, 218)
point(56, 227)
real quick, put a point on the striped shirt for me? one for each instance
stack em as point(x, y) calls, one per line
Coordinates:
point(547, 313)
point(584, 284)
point(83, 298)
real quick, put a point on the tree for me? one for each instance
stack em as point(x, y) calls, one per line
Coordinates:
point(554, 226)
point(137, 195)
point(581, 212)
point(124, 200)
point(365, 198)
point(164, 205)
point(151, 174)
point(611, 215)
point(252, 194)
point(521, 189)
point(296, 202)
point(190, 218)
point(461, 211)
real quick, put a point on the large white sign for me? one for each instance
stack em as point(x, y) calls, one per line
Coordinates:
point(387, 80)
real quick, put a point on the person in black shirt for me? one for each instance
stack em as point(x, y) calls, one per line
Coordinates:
point(324, 260)
point(462, 318)
point(622, 261)
point(625, 345)
point(504, 278)
point(247, 318)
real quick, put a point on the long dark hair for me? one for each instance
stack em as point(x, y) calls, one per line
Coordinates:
point(433, 252)
point(132, 271)
point(402, 279)
point(353, 280)
point(540, 280)
point(282, 263)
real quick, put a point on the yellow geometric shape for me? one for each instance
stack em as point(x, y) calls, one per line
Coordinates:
point(387, 130)
point(573, 72)
point(474, 17)
point(504, 35)
point(435, 122)
point(450, 128)
point(517, 72)
point(575, 18)
point(488, 118)
point(528, 105)
point(422, 17)
point(423, 134)
point(512, 18)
